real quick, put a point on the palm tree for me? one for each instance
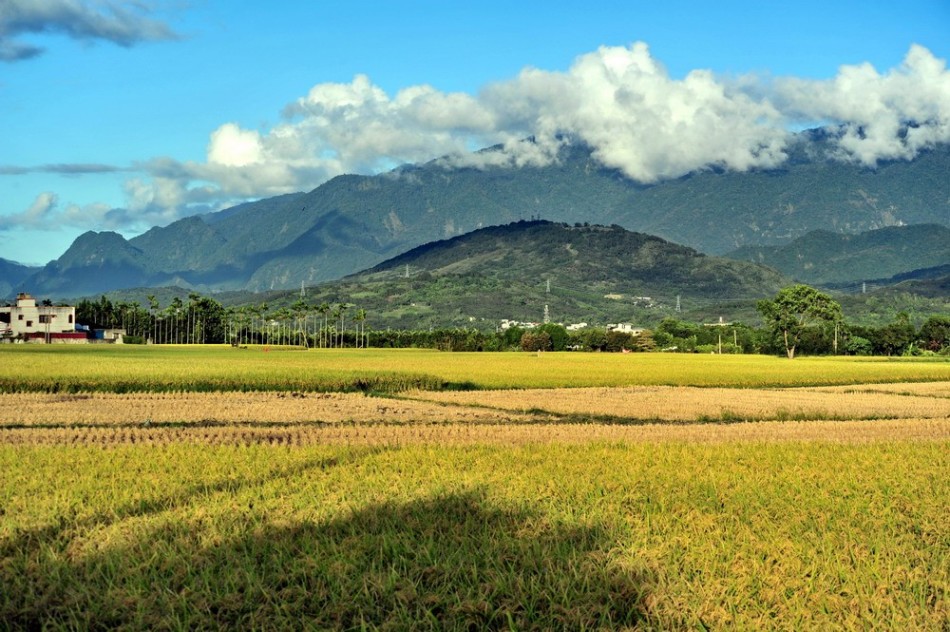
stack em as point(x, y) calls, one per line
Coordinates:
point(136, 309)
point(153, 307)
point(324, 309)
point(192, 316)
point(324, 332)
point(359, 318)
point(300, 308)
point(261, 311)
point(176, 306)
point(342, 312)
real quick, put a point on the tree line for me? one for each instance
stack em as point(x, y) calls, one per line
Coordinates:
point(798, 320)
point(203, 320)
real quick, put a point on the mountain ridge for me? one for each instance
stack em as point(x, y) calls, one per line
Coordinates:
point(825, 257)
point(353, 222)
point(580, 272)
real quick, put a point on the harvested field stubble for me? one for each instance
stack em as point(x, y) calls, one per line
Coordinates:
point(613, 405)
point(43, 409)
point(681, 403)
point(444, 434)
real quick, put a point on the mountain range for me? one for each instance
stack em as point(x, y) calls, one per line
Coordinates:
point(12, 276)
point(825, 258)
point(351, 222)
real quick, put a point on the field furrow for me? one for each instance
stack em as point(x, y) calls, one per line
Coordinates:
point(489, 433)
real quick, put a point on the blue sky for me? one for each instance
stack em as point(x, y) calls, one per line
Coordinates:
point(120, 116)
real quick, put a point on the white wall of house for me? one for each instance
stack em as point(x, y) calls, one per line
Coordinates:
point(26, 317)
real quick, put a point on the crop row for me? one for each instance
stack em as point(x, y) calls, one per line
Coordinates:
point(498, 433)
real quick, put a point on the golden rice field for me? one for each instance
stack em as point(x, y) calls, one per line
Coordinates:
point(168, 368)
point(190, 488)
point(602, 534)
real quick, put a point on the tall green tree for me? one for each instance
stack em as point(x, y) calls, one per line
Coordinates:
point(935, 333)
point(795, 309)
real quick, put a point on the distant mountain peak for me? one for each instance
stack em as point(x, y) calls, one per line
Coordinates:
point(354, 222)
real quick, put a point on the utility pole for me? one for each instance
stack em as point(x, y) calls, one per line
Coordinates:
point(547, 316)
point(678, 303)
point(548, 291)
point(407, 270)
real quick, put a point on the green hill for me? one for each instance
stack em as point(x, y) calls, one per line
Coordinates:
point(592, 274)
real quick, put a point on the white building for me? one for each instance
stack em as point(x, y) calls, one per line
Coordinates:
point(626, 328)
point(26, 320)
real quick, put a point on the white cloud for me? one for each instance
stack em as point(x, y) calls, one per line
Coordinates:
point(37, 215)
point(619, 101)
point(233, 147)
point(623, 104)
point(883, 116)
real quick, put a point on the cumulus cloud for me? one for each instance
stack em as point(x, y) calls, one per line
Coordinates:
point(618, 101)
point(624, 105)
point(886, 116)
point(122, 23)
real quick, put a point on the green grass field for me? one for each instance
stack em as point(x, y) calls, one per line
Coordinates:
point(163, 368)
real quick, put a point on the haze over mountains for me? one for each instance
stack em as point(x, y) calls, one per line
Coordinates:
point(354, 222)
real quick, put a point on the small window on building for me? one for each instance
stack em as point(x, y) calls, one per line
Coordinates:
point(70, 319)
point(19, 317)
point(45, 318)
point(29, 323)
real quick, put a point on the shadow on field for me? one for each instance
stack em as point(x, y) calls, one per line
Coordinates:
point(448, 562)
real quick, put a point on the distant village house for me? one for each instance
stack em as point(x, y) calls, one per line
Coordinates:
point(626, 328)
point(25, 321)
